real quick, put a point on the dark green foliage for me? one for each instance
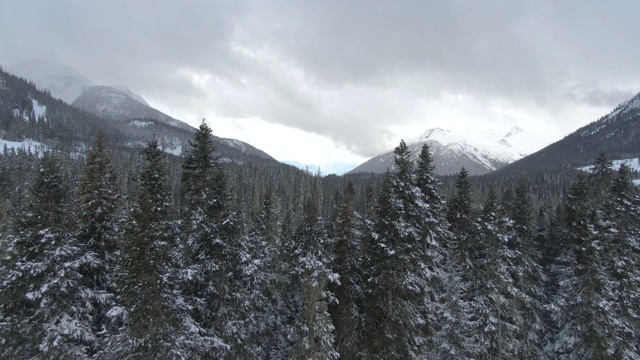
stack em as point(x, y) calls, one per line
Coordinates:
point(228, 255)
point(345, 312)
point(43, 310)
point(312, 331)
point(154, 328)
point(396, 292)
point(96, 228)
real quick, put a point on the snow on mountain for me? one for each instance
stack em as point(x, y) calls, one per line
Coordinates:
point(632, 164)
point(114, 104)
point(478, 152)
point(63, 82)
point(26, 145)
point(39, 111)
point(621, 111)
point(338, 168)
point(131, 94)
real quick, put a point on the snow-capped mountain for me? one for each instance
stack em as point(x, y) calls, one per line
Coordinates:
point(114, 104)
point(133, 95)
point(62, 81)
point(478, 152)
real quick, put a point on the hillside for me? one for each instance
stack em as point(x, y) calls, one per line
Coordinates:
point(616, 134)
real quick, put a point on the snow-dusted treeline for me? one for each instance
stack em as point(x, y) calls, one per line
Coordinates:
point(89, 273)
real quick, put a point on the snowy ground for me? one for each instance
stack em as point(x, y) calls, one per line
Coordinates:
point(632, 164)
point(27, 145)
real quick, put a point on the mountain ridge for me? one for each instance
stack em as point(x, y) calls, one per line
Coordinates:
point(616, 134)
point(479, 153)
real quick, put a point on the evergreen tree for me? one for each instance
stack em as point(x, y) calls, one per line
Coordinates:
point(43, 306)
point(622, 251)
point(158, 325)
point(458, 311)
point(96, 224)
point(345, 311)
point(396, 287)
point(527, 277)
point(434, 233)
point(265, 285)
point(211, 268)
point(313, 330)
point(580, 309)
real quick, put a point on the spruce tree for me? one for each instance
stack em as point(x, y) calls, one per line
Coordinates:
point(346, 313)
point(435, 235)
point(580, 309)
point(96, 227)
point(158, 325)
point(395, 289)
point(313, 330)
point(265, 285)
point(457, 311)
point(211, 268)
point(43, 306)
point(622, 250)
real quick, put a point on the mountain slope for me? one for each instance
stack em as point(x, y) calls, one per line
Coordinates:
point(28, 114)
point(616, 134)
point(62, 81)
point(115, 104)
point(478, 153)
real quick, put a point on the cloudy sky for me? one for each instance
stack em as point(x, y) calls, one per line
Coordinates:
point(333, 82)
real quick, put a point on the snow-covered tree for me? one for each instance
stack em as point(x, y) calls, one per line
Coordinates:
point(621, 251)
point(345, 312)
point(158, 325)
point(96, 224)
point(212, 262)
point(44, 310)
point(581, 310)
point(395, 314)
point(464, 250)
point(313, 331)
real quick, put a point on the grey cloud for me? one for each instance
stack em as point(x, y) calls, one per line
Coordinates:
point(297, 63)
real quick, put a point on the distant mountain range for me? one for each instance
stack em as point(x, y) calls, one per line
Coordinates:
point(127, 114)
point(478, 152)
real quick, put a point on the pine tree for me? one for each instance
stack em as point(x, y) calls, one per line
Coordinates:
point(346, 313)
point(395, 288)
point(527, 275)
point(158, 325)
point(211, 266)
point(43, 306)
point(580, 309)
point(265, 285)
point(457, 311)
point(96, 223)
point(313, 330)
point(434, 233)
point(621, 234)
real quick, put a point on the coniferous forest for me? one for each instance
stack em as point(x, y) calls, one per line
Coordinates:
point(178, 261)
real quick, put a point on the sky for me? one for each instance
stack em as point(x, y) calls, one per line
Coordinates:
point(331, 83)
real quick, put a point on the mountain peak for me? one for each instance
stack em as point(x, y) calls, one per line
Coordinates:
point(478, 151)
point(63, 82)
point(115, 104)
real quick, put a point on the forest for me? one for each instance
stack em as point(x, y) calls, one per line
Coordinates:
point(153, 256)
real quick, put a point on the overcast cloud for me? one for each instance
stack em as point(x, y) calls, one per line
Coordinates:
point(359, 75)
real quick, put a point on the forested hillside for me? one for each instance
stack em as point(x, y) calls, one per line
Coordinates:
point(115, 251)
